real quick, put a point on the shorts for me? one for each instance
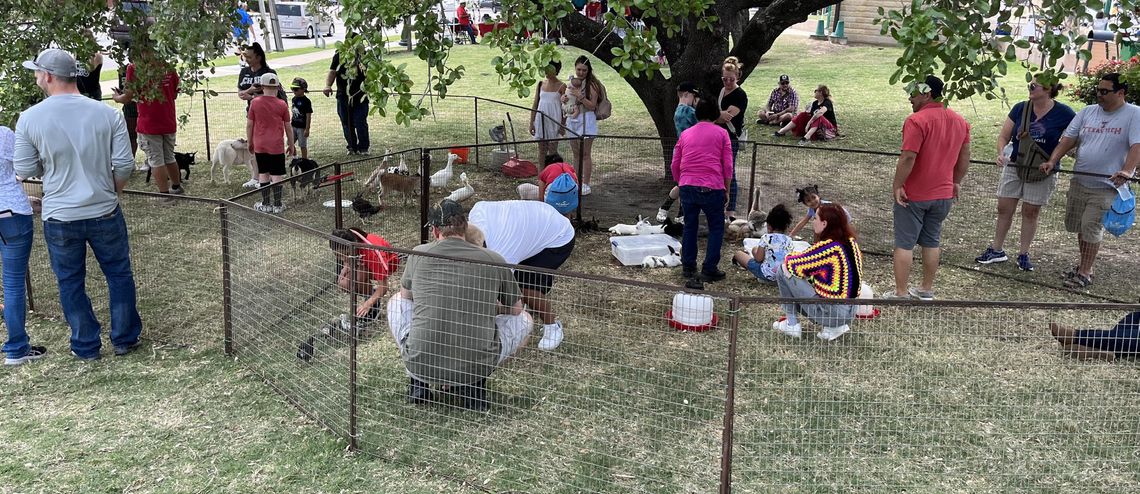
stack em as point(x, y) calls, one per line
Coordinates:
point(1084, 211)
point(271, 164)
point(513, 330)
point(1035, 193)
point(920, 222)
point(549, 258)
point(299, 138)
point(760, 271)
point(159, 148)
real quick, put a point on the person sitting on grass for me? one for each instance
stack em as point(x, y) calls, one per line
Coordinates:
point(1122, 341)
point(765, 259)
point(372, 269)
point(816, 122)
point(446, 318)
point(832, 268)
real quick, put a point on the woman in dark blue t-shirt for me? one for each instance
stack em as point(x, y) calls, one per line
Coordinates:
point(1048, 120)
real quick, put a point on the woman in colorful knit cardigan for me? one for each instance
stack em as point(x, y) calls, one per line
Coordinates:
point(832, 268)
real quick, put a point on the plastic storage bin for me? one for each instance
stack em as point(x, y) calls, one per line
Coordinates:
point(631, 250)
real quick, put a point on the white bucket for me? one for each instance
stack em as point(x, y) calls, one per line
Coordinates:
point(692, 310)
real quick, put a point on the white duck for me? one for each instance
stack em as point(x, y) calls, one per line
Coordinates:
point(465, 193)
point(442, 177)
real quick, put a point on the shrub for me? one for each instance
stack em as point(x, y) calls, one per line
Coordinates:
point(1084, 89)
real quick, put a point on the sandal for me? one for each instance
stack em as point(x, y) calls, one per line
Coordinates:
point(1078, 280)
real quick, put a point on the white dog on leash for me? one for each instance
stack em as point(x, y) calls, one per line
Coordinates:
point(230, 152)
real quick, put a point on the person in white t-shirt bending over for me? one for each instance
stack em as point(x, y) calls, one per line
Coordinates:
point(1108, 134)
point(529, 233)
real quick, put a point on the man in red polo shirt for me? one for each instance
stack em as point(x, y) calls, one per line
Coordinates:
point(934, 160)
point(465, 21)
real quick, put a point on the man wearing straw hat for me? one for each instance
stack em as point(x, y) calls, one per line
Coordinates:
point(81, 149)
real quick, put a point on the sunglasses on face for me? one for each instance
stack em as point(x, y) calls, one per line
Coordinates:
point(784, 83)
point(1033, 86)
point(1102, 91)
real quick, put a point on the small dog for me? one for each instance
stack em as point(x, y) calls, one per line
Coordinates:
point(230, 152)
point(307, 169)
point(184, 161)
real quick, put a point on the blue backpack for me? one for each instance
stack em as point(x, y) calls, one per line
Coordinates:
point(562, 193)
point(1119, 218)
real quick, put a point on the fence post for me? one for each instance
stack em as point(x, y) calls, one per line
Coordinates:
point(729, 399)
point(227, 293)
point(578, 165)
point(477, 148)
point(206, 121)
point(352, 300)
point(752, 179)
point(425, 192)
point(338, 195)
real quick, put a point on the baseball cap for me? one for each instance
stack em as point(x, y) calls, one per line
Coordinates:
point(299, 83)
point(445, 213)
point(270, 79)
point(688, 87)
point(935, 85)
point(55, 62)
point(784, 78)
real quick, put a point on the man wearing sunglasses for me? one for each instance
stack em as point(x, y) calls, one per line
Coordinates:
point(1108, 136)
point(782, 104)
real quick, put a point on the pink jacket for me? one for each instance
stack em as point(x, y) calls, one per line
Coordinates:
point(703, 157)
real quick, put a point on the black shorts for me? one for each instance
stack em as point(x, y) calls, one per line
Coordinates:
point(549, 258)
point(271, 164)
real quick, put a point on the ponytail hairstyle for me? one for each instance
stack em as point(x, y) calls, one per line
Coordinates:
point(804, 193)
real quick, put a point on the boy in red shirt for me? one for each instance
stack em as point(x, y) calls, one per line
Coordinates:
point(269, 118)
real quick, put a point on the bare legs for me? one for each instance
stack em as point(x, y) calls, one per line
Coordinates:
point(1030, 215)
point(904, 259)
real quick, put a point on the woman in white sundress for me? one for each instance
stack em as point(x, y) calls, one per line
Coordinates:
point(546, 118)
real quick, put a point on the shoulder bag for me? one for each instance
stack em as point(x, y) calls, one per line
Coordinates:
point(604, 108)
point(1029, 154)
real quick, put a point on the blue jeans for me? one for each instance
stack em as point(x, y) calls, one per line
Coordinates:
point(732, 187)
point(354, 123)
point(694, 201)
point(67, 243)
point(1123, 340)
point(17, 247)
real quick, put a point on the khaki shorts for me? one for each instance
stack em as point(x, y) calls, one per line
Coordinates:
point(159, 148)
point(1084, 211)
point(513, 330)
point(1035, 193)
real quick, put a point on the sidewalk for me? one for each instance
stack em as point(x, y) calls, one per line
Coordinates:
point(231, 70)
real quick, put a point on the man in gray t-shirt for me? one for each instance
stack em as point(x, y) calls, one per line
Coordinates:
point(81, 149)
point(1108, 134)
point(451, 334)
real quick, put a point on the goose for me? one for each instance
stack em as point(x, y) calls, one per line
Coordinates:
point(442, 177)
point(464, 193)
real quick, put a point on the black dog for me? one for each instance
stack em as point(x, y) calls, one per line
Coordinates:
point(184, 161)
point(307, 169)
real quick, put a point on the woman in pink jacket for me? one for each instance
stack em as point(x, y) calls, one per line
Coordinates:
point(702, 166)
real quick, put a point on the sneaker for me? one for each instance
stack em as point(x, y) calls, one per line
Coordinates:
point(717, 275)
point(165, 198)
point(585, 189)
point(551, 336)
point(127, 349)
point(178, 191)
point(793, 330)
point(363, 152)
point(1023, 262)
point(662, 215)
point(802, 142)
point(277, 209)
point(830, 334)
point(475, 396)
point(34, 353)
point(418, 392)
point(921, 294)
point(251, 184)
point(991, 256)
point(86, 359)
point(891, 295)
point(263, 208)
point(695, 283)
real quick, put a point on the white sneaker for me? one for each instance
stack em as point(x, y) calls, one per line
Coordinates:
point(262, 208)
point(551, 336)
point(830, 334)
point(278, 209)
point(585, 189)
point(251, 184)
point(662, 215)
point(793, 330)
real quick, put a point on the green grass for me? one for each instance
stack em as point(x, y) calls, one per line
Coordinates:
point(922, 399)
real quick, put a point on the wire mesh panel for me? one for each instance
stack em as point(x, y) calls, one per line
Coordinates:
point(287, 313)
point(177, 267)
point(627, 403)
point(861, 182)
point(629, 178)
point(974, 398)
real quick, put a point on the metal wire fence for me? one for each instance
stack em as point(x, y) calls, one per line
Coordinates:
point(938, 394)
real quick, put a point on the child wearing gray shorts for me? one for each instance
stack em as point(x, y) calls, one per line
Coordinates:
point(302, 115)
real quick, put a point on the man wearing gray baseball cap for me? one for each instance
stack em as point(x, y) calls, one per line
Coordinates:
point(81, 149)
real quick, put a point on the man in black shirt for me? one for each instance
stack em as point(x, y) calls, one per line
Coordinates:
point(351, 102)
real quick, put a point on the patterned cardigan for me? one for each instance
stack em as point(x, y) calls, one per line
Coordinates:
point(833, 268)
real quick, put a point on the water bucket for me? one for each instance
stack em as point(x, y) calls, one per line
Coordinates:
point(692, 312)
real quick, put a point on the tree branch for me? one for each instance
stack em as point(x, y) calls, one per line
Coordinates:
point(596, 38)
point(767, 25)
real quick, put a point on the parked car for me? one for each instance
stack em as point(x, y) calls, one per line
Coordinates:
point(297, 19)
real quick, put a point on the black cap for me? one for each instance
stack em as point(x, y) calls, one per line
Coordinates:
point(785, 78)
point(444, 213)
point(688, 87)
point(935, 85)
